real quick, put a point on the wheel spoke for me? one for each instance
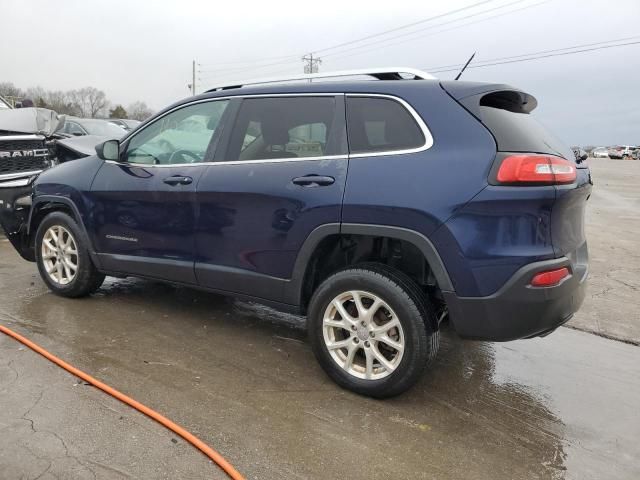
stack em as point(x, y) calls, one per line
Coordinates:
point(392, 343)
point(357, 299)
point(339, 344)
point(375, 306)
point(386, 326)
point(369, 363)
point(343, 312)
point(67, 271)
point(329, 322)
point(49, 245)
point(348, 363)
point(381, 359)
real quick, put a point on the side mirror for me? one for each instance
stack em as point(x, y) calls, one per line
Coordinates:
point(109, 150)
point(584, 156)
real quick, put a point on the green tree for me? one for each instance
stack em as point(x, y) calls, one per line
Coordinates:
point(118, 112)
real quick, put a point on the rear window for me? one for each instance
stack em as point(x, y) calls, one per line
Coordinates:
point(521, 132)
point(506, 115)
point(381, 125)
point(283, 127)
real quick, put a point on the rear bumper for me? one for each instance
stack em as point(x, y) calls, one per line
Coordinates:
point(518, 310)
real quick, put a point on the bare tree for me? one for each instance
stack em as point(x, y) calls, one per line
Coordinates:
point(9, 91)
point(139, 111)
point(62, 103)
point(90, 101)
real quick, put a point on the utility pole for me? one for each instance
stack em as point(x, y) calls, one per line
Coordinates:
point(193, 80)
point(312, 64)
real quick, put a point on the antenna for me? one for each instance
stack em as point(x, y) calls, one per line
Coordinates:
point(465, 66)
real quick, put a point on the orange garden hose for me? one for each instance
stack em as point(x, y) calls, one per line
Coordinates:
point(177, 429)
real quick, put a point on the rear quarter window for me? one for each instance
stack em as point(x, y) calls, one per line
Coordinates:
point(381, 125)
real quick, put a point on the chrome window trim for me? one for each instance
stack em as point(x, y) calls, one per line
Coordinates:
point(428, 138)
point(230, 162)
point(418, 119)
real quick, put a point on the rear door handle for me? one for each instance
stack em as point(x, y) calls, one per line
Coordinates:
point(313, 180)
point(178, 180)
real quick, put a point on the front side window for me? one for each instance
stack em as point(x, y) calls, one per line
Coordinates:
point(182, 136)
point(283, 127)
point(73, 128)
point(381, 125)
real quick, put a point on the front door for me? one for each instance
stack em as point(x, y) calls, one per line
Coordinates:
point(279, 174)
point(144, 210)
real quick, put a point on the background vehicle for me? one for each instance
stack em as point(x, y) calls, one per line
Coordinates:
point(628, 150)
point(125, 123)
point(600, 152)
point(616, 153)
point(91, 126)
point(244, 191)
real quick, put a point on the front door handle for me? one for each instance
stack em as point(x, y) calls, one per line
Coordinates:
point(178, 180)
point(313, 180)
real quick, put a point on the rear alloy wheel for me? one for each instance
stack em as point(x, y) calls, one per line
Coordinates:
point(363, 335)
point(372, 330)
point(63, 257)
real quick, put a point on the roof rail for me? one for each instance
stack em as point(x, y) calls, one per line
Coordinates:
point(385, 73)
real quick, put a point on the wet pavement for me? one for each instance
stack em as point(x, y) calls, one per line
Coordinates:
point(243, 378)
point(612, 305)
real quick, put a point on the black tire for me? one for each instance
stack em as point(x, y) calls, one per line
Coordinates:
point(87, 278)
point(413, 310)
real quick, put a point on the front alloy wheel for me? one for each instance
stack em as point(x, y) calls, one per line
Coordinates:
point(63, 258)
point(60, 255)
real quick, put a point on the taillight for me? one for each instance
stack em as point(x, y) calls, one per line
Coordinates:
point(541, 169)
point(549, 278)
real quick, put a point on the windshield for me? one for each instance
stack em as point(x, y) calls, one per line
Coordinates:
point(103, 128)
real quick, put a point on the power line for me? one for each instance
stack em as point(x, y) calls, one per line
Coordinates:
point(340, 54)
point(247, 62)
point(603, 42)
point(532, 56)
point(337, 46)
point(408, 25)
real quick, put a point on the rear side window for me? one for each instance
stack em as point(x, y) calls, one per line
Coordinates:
point(283, 127)
point(381, 125)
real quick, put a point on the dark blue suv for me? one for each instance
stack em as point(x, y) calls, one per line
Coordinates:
point(376, 208)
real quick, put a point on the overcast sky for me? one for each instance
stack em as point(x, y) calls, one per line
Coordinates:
point(142, 50)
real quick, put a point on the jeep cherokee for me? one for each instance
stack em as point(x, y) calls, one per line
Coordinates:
point(377, 209)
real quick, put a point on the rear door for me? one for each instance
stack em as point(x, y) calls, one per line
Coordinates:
point(143, 207)
point(281, 174)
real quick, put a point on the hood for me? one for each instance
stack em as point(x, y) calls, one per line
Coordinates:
point(84, 145)
point(30, 120)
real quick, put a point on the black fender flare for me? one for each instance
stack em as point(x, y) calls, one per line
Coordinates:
point(76, 213)
point(293, 290)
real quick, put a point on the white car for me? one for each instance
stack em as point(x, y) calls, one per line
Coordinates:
point(600, 152)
